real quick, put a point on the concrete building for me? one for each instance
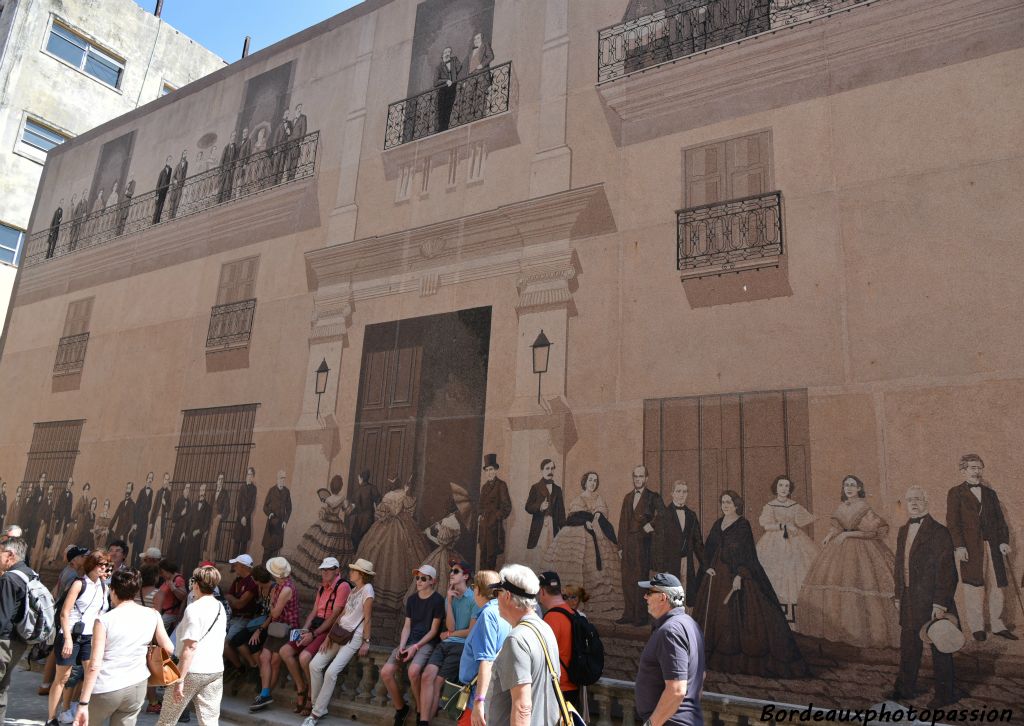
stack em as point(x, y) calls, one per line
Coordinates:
point(65, 67)
point(765, 250)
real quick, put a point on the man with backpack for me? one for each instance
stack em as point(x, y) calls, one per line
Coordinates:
point(26, 611)
point(580, 651)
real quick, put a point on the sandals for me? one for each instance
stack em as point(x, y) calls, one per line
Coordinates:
point(302, 703)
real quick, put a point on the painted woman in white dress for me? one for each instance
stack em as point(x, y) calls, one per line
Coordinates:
point(848, 594)
point(785, 551)
point(585, 551)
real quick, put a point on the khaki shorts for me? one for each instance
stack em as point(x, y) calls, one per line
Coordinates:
point(422, 656)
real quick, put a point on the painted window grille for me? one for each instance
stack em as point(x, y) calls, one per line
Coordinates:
point(53, 452)
point(82, 54)
point(738, 441)
point(72, 346)
point(213, 441)
point(11, 239)
point(232, 317)
point(40, 136)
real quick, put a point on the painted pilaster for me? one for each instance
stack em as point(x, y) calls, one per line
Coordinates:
point(551, 168)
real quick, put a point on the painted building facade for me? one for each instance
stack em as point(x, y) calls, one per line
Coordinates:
point(752, 258)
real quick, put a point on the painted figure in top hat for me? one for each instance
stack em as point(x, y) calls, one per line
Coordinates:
point(925, 576)
point(495, 508)
point(981, 539)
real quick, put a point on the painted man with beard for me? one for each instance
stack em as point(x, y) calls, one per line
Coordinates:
point(547, 506)
point(637, 518)
point(495, 508)
point(124, 515)
point(245, 506)
point(278, 508)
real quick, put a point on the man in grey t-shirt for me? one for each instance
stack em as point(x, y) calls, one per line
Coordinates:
point(520, 680)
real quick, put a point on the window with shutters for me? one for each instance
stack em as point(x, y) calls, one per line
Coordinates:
point(73, 343)
point(232, 317)
point(732, 219)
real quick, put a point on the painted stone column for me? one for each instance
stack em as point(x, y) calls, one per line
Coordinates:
point(543, 430)
point(316, 438)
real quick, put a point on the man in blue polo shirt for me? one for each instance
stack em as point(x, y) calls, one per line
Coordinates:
point(670, 676)
point(482, 645)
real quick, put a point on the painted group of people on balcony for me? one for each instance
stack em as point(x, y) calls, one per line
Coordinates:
point(255, 159)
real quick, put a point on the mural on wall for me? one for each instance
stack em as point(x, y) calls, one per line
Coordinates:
point(451, 25)
point(111, 174)
point(265, 104)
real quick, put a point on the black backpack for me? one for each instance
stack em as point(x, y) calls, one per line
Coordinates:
point(586, 664)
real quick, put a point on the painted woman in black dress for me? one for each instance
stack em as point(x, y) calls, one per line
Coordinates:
point(745, 630)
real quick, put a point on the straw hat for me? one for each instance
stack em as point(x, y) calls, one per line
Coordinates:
point(364, 566)
point(279, 568)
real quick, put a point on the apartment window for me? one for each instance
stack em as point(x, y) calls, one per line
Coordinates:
point(730, 169)
point(75, 50)
point(41, 137)
point(10, 243)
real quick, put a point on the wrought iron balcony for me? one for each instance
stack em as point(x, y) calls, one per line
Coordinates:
point(730, 236)
point(70, 354)
point(478, 95)
point(252, 174)
point(230, 325)
point(693, 26)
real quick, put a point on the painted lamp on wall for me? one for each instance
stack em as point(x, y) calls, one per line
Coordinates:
point(321, 383)
point(541, 354)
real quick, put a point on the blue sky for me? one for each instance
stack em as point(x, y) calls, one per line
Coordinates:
point(221, 25)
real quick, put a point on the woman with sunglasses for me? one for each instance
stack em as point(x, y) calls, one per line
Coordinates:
point(116, 680)
point(85, 601)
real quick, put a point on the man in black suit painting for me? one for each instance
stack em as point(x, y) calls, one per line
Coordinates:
point(925, 576)
point(547, 506)
point(680, 548)
point(448, 72)
point(637, 520)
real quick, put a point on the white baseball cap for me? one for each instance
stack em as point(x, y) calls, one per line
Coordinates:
point(245, 560)
point(329, 563)
point(153, 553)
point(426, 570)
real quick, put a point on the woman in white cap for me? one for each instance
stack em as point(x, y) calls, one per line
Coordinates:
point(284, 615)
point(332, 657)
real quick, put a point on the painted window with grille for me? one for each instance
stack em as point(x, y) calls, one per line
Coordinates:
point(730, 169)
point(74, 342)
point(213, 441)
point(53, 452)
point(232, 317)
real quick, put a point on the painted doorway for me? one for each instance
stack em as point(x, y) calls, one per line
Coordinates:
point(420, 415)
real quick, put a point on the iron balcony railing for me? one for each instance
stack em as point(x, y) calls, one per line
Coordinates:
point(230, 325)
point(478, 95)
point(293, 160)
point(693, 26)
point(729, 234)
point(70, 354)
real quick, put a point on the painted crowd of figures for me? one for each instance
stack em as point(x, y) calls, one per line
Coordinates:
point(253, 159)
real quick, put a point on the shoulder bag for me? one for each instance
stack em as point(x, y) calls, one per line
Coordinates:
point(568, 715)
point(163, 671)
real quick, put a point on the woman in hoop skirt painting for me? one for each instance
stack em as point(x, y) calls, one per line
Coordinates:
point(329, 536)
point(745, 630)
point(848, 593)
point(784, 550)
point(395, 545)
point(585, 550)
